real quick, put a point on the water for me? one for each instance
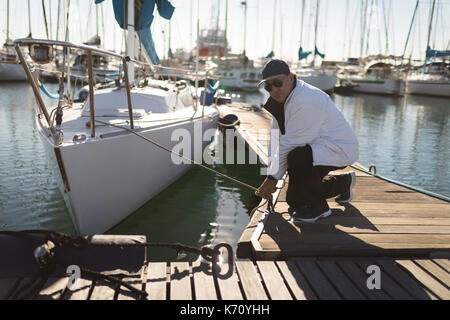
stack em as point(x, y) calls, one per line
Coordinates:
point(407, 139)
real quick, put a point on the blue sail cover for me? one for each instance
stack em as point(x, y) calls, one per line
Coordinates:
point(270, 55)
point(437, 54)
point(303, 54)
point(316, 52)
point(143, 20)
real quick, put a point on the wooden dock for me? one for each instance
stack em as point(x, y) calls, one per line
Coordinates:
point(390, 242)
point(294, 279)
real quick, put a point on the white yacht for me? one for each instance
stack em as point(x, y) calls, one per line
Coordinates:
point(324, 80)
point(432, 80)
point(376, 79)
point(109, 155)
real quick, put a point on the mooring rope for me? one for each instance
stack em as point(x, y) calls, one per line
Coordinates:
point(179, 155)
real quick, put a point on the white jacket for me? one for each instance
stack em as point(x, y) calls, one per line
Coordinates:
point(312, 118)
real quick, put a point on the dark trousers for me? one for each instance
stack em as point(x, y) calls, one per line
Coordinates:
point(309, 185)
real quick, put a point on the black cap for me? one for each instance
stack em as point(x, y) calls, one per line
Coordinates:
point(274, 68)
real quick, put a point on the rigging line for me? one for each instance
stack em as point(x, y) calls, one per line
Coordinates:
point(179, 155)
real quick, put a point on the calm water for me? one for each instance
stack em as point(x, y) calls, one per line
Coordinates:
point(407, 139)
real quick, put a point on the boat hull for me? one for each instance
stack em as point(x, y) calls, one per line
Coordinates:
point(381, 86)
point(104, 182)
point(323, 82)
point(440, 88)
point(12, 72)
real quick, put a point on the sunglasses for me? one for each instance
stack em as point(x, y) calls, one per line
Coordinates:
point(276, 83)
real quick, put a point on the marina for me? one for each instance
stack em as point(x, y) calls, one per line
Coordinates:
point(134, 177)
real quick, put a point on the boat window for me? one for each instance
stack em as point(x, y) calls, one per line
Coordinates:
point(244, 75)
point(224, 74)
point(252, 75)
point(231, 74)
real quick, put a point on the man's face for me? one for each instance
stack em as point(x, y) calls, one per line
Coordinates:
point(280, 87)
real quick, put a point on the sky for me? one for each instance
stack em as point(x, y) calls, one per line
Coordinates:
point(280, 25)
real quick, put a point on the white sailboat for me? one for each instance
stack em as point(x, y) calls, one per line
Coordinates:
point(432, 79)
point(100, 148)
point(317, 77)
point(237, 72)
point(378, 78)
point(10, 69)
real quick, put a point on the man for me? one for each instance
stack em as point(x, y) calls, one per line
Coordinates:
point(314, 139)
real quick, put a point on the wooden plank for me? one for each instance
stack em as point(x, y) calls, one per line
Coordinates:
point(443, 263)
point(373, 210)
point(428, 281)
point(53, 289)
point(392, 288)
point(180, 281)
point(273, 281)
point(126, 294)
point(405, 280)
point(385, 240)
point(439, 273)
point(360, 279)
point(317, 280)
point(80, 291)
point(228, 283)
point(296, 281)
point(340, 281)
point(156, 285)
point(343, 226)
point(204, 286)
point(250, 280)
point(7, 285)
point(103, 290)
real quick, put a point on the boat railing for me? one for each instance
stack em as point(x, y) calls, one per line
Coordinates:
point(46, 56)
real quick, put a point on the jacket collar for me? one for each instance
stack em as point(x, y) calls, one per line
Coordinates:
point(276, 109)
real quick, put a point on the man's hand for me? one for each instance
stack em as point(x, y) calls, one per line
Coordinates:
point(267, 188)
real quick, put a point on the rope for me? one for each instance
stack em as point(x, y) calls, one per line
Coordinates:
point(181, 156)
point(429, 193)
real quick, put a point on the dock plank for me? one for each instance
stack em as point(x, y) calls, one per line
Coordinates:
point(228, 283)
point(405, 280)
point(126, 294)
point(388, 284)
point(317, 280)
point(432, 268)
point(296, 281)
point(104, 290)
point(203, 282)
point(340, 281)
point(7, 285)
point(156, 284)
point(428, 281)
point(273, 281)
point(53, 289)
point(251, 281)
point(80, 291)
point(180, 281)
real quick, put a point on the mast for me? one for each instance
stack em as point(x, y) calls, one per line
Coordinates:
point(274, 24)
point(130, 39)
point(431, 23)
point(225, 51)
point(7, 21)
point(29, 20)
point(57, 19)
point(345, 29)
point(244, 4)
point(410, 28)
point(315, 31)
